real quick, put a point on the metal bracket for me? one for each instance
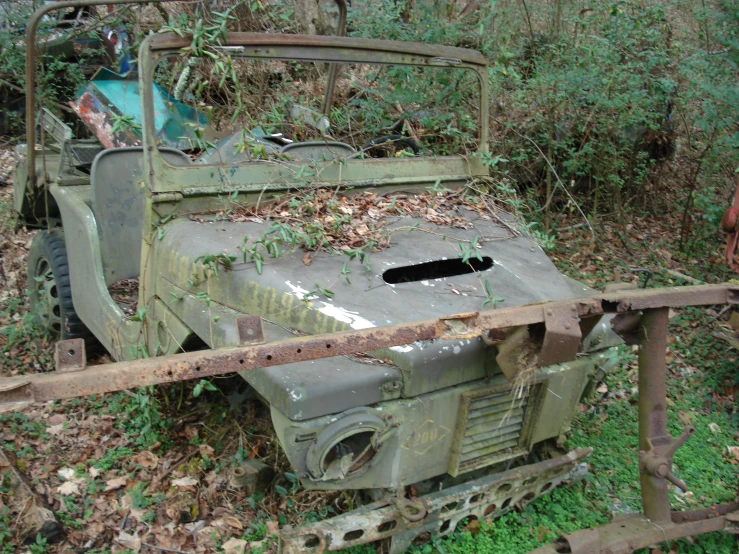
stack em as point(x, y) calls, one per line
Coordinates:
point(251, 330)
point(563, 335)
point(69, 355)
point(657, 460)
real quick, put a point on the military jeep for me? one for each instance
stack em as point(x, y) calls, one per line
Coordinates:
point(191, 228)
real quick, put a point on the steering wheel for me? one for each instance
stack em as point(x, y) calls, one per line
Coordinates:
point(400, 140)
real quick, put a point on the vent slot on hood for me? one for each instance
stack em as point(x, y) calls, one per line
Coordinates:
point(438, 269)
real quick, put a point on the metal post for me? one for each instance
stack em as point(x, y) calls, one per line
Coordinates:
point(333, 70)
point(652, 409)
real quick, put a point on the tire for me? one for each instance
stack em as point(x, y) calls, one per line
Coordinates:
point(50, 290)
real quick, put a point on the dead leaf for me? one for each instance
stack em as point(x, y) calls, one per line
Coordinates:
point(306, 259)
point(234, 546)
point(94, 472)
point(733, 451)
point(232, 521)
point(115, 484)
point(206, 450)
point(66, 473)
point(55, 429)
point(57, 419)
point(473, 527)
point(714, 428)
point(185, 482)
point(132, 542)
point(603, 388)
point(273, 528)
point(68, 488)
point(146, 459)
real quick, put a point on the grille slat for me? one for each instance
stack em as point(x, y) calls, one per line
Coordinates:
point(490, 441)
point(495, 400)
point(496, 409)
point(489, 430)
point(491, 420)
point(482, 432)
point(480, 452)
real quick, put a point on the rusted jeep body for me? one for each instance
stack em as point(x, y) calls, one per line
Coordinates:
point(435, 404)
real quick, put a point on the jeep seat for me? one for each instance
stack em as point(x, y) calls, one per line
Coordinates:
point(116, 179)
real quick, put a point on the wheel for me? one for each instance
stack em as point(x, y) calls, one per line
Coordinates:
point(50, 291)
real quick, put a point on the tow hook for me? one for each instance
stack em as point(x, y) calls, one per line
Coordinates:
point(412, 510)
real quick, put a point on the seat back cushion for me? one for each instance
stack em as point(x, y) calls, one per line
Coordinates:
point(116, 178)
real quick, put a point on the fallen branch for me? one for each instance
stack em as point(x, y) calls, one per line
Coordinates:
point(147, 545)
point(688, 278)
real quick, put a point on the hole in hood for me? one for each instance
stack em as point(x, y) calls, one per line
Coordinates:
point(438, 269)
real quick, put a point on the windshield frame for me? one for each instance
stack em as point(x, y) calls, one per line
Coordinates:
point(200, 178)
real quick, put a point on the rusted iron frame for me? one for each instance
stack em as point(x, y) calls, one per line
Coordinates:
point(345, 48)
point(730, 224)
point(326, 49)
point(179, 367)
point(333, 70)
point(656, 449)
point(632, 532)
point(653, 409)
point(492, 495)
point(31, 65)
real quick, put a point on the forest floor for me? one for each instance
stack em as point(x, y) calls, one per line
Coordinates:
point(147, 471)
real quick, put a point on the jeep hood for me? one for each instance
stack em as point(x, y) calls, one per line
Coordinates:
point(520, 273)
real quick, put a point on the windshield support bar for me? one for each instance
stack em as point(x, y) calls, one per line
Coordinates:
point(31, 65)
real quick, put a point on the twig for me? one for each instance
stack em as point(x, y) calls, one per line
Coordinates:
point(177, 464)
point(722, 312)
point(687, 278)
point(571, 227)
point(147, 545)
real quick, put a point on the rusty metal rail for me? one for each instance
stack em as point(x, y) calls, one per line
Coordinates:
point(561, 319)
point(490, 496)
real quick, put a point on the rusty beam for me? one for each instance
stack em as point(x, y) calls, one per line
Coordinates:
point(653, 410)
point(16, 392)
point(656, 450)
point(633, 532)
point(489, 496)
point(333, 71)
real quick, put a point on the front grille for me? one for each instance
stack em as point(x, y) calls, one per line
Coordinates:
point(488, 430)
